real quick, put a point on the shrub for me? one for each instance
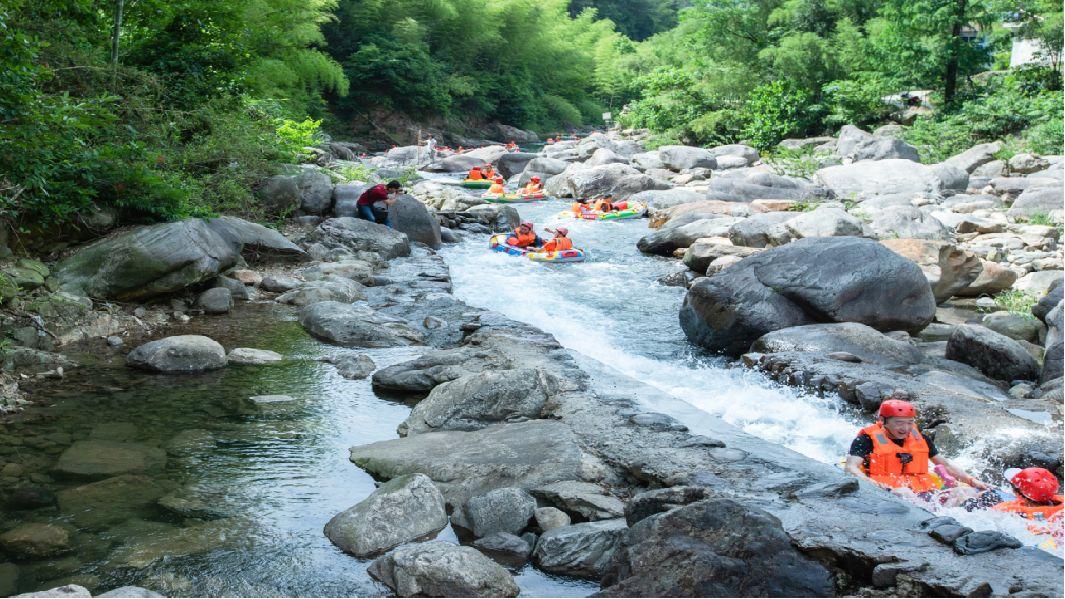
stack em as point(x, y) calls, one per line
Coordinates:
point(774, 111)
point(294, 136)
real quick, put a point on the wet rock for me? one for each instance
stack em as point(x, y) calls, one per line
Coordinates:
point(186, 504)
point(404, 509)
point(71, 591)
point(548, 518)
point(992, 353)
point(501, 510)
point(355, 326)
point(130, 592)
point(238, 292)
point(441, 569)
point(588, 500)
point(649, 503)
point(34, 540)
point(265, 400)
point(172, 542)
point(217, 300)
point(8, 579)
point(805, 282)
point(581, 550)
point(30, 498)
point(279, 284)
point(409, 216)
point(868, 344)
point(505, 548)
point(354, 367)
point(854, 145)
point(179, 354)
point(248, 355)
point(356, 234)
point(713, 548)
point(477, 400)
point(422, 374)
point(984, 541)
point(255, 242)
point(111, 500)
point(947, 268)
point(97, 458)
point(907, 222)
point(328, 289)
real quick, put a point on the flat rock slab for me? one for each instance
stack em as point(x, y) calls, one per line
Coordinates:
point(588, 500)
point(442, 569)
point(97, 458)
point(355, 326)
point(467, 464)
point(248, 355)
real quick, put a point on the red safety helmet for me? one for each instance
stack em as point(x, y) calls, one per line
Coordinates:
point(526, 224)
point(1037, 484)
point(897, 408)
point(560, 230)
point(499, 179)
point(534, 179)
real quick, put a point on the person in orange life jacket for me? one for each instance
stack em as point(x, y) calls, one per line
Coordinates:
point(497, 187)
point(1038, 497)
point(379, 196)
point(604, 204)
point(533, 187)
point(560, 241)
point(511, 146)
point(475, 174)
point(893, 453)
point(489, 172)
point(525, 237)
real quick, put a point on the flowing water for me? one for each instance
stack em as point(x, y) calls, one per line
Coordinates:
point(612, 309)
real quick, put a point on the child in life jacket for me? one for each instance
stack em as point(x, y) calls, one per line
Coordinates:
point(604, 204)
point(560, 242)
point(525, 237)
point(533, 187)
point(475, 174)
point(1038, 499)
point(489, 172)
point(497, 187)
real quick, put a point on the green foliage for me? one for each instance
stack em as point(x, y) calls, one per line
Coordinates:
point(293, 137)
point(774, 111)
point(857, 101)
point(1040, 219)
point(792, 163)
point(1016, 302)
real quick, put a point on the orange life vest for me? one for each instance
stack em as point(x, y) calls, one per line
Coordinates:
point(489, 173)
point(533, 188)
point(578, 208)
point(1032, 511)
point(886, 467)
point(602, 206)
point(558, 244)
point(521, 240)
point(497, 188)
point(475, 173)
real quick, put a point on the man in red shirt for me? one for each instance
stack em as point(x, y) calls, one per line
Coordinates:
point(382, 196)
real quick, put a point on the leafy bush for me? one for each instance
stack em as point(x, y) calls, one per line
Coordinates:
point(792, 163)
point(775, 111)
point(294, 136)
point(856, 101)
point(1016, 302)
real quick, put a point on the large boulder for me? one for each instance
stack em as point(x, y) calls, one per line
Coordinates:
point(823, 279)
point(402, 510)
point(1049, 300)
point(1039, 200)
point(579, 181)
point(355, 326)
point(501, 510)
point(678, 158)
point(975, 157)
point(278, 195)
point(316, 192)
point(412, 218)
point(216, 300)
point(403, 154)
point(542, 167)
point(947, 268)
point(665, 240)
point(993, 278)
point(748, 154)
point(713, 548)
point(866, 343)
point(993, 354)
point(456, 163)
point(582, 550)
point(761, 186)
point(760, 230)
point(488, 154)
point(329, 288)
point(475, 401)
point(826, 221)
point(854, 145)
point(703, 252)
point(907, 222)
point(646, 161)
point(255, 242)
point(605, 156)
point(178, 354)
point(1055, 344)
point(356, 234)
point(661, 199)
point(346, 198)
point(512, 163)
point(880, 177)
point(442, 569)
point(147, 261)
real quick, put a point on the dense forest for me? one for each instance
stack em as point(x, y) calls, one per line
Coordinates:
point(159, 109)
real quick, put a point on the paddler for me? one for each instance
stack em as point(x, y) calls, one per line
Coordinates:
point(497, 187)
point(533, 187)
point(489, 172)
point(1038, 498)
point(475, 174)
point(559, 242)
point(894, 454)
point(525, 236)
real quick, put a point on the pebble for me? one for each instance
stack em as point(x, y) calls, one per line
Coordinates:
point(271, 399)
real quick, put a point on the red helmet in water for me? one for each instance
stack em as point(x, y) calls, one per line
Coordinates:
point(534, 179)
point(1037, 484)
point(897, 408)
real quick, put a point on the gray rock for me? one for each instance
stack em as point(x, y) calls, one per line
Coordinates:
point(880, 177)
point(665, 240)
point(236, 289)
point(666, 198)
point(907, 222)
point(948, 269)
point(355, 326)
point(130, 592)
point(580, 550)
point(441, 569)
point(278, 195)
point(411, 217)
point(762, 186)
point(97, 458)
point(542, 167)
point(404, 509)
point(265, 400)
point(478, 400)
point(865, 342)
point(71, 591)
point(760, 230)
point(1027, 163)
point(217, 300)
point(587, 500)
point(330, 288)
point(548, 518)
point(973, 158)
point(678, 158)
point(357, 270)
point(1055, 345)
point(356, 234)
point(656, 501)
point(316, 192)
point(647, 161)
point(994, 354)
point(993, 278)
point(713, 548)
point(1038, 283)
point(823, 222)
point(354, 367)
point(279, 283)
point(178, 354)
point(1039, 200)
point(1015, 326)
point(505, 547)
point(983, 541)
point(605, 156)
point(456, 163)
point(855, 144)
point(1049, 300)
point(703, 252)
point(346, 197)
point(579, 181)
point(827, 279)
point(747, 153)
point(249, 355)
point(36, 540)
point(512, 163)
point(115, 499)
point(501, 510)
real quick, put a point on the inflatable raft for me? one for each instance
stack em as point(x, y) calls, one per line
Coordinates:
point(476, 183)
point(499, 243)
point(511, 198)
point(634, 211)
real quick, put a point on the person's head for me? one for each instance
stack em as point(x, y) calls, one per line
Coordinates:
point(609, 197)
point(499, 180)
point(394, 186)
point(1035, 484)
point(561, 232)
point(535, 179)
point(476, 169)
point(525, 227)
point(898, 416)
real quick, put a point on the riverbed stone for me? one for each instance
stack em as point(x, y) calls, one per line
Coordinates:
point(68, 591)
point(581, 550)
point(993, 278)
point(947, 268)
point(316, 191)
point(131, 592)
point(249, 355)
point(703, 252)
point(713, 548)
point(217, 300)
point(869, 178)
point(111, 500)
point(173, 542)
point(587, 500)
point(178, 354)
point(501, 510)
point(678, 158)
point(506, 548)
point(665, 240)
point(907, 222)
point(1021, 327)
point(868, 344)
point(994, 354)
point(854, 145)
point(255, 242)
point(354, 367)
point(355, 326)
point(35, 540)
point(1055, 345)
point(477, 400)
point(548, 518)
point(330, 288)
point(279, 283)
point(98, 458)
point(1039, 200)
point(442, 569)
point(404, 509)
point(760, 230)
point(356, 234)
point(278, 195)
point(411, 217)
point(836, 279)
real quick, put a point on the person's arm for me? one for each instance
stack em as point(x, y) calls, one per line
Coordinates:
point(958, 473)
point(854, 466)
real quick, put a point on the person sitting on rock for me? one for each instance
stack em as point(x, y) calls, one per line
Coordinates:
point(379, 197)
point(533, 187)
point(525, 236)
point(497, 187)
point(894, 454)
point(475, 174)
point(1038, 499)
point(559, 242)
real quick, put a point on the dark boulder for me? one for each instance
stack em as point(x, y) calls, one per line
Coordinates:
point(412, 217)
point(993, 354)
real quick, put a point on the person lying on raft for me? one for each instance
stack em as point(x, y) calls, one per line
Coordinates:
point(475, 174)
point(525, 237)
point(559, 242)
point(497, 187)
point(894, 454)
point(533, 187)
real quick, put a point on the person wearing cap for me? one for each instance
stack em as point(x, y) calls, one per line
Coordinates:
point(559, 242)
point(533, 187)
point(1037, 499)
point(525, 237)
point(378, 197)
point(893, 453)
point(497, 187)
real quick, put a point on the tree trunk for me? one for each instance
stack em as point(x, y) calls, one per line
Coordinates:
point(119, 4)
point(950, 84)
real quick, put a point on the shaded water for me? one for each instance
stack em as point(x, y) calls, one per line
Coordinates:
point(274, 474)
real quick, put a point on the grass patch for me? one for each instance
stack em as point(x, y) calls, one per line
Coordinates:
point(1016, 302)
